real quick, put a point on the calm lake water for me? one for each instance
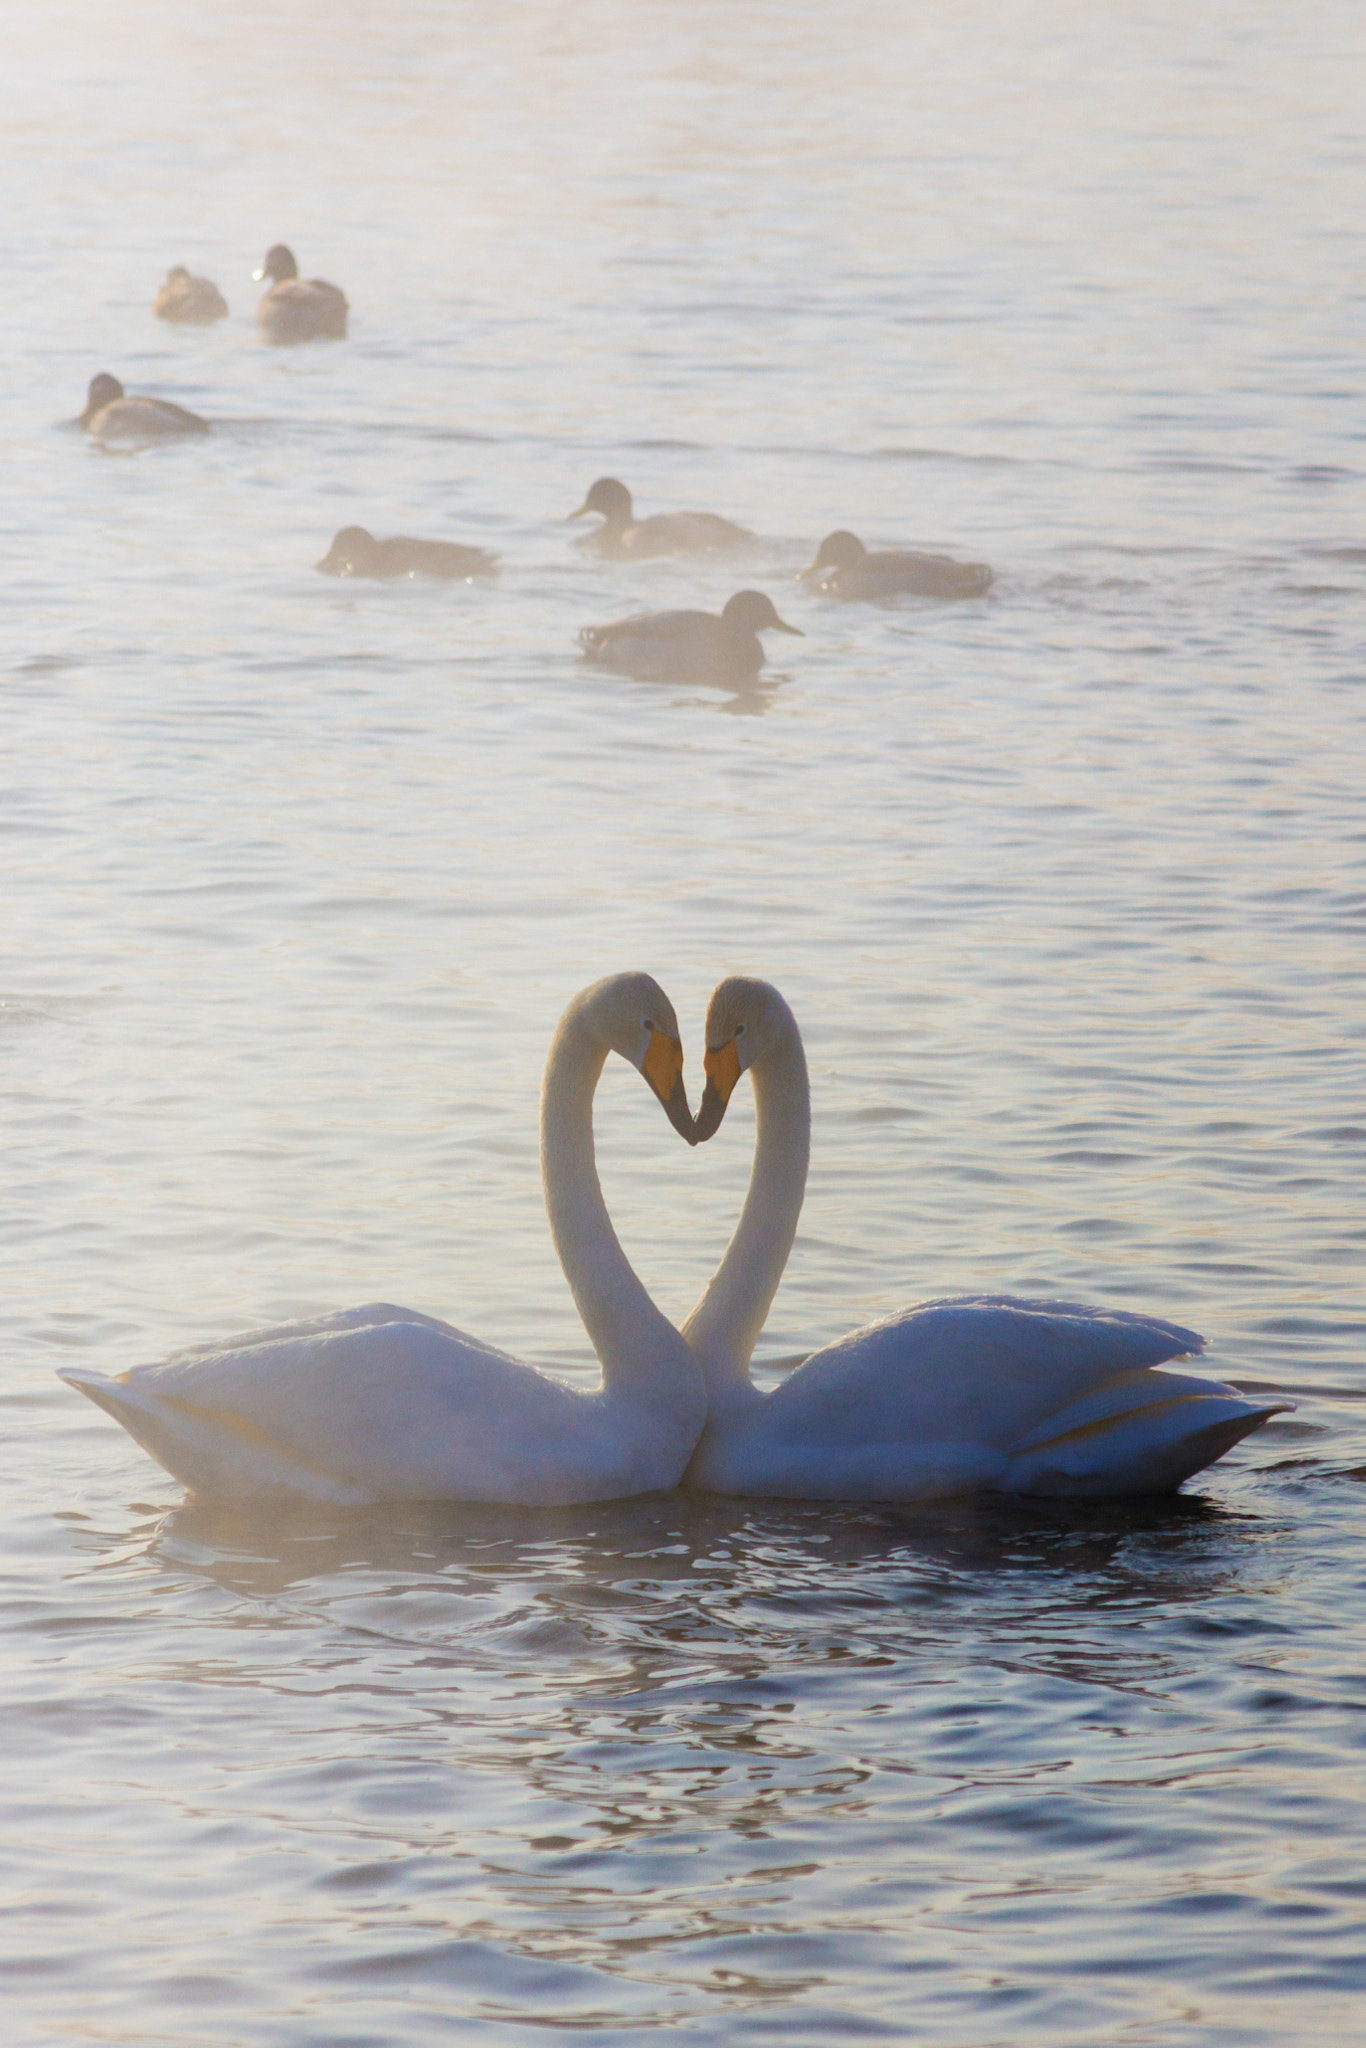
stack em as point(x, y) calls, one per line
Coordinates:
point(1067, 887)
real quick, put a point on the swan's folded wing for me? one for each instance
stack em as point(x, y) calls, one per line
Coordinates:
point(1037, 1326)
point(974, 1368)
point(368, 1315)
point(387, 1411)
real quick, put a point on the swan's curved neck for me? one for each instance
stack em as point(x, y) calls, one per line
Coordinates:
point(640, 1349)
point(724, 1327)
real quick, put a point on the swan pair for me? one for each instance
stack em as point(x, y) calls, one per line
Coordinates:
point(982, 1392)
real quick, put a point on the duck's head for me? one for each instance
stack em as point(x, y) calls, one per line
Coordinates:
point(352, 546)
point(279, 265)
point(610, 498)
point(103, 391)
point(636, 1018)
point(749, 611)
point(745, 1018)
point(841, 550)
point(177, 274)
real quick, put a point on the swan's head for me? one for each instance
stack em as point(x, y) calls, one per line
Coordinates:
point(749, 611)
point(840, 550)
point(610, 498)
point(279, 265)
point(637, 1020)
point(744, 1019)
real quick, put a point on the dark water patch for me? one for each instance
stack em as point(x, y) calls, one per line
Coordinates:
point(38, 665)
point(1173, 550)
point(964, 458)
point(1078, 1157)
point(1286, 1325)
point(660, 443)
point(1202, 465)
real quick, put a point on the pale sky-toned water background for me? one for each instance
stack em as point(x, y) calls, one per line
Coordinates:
point(1067, 888)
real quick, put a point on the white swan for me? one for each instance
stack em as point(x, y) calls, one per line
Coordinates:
point(979, 1391)
point(378, 1403)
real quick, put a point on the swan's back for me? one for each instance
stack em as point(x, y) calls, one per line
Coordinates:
point(995, 1391)
point(374, 1404)
point(974, 1364)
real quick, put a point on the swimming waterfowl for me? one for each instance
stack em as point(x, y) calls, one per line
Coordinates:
point(689, 647)
point(189, 301)
point(111, 414)
point(380, 1403)
point(844, 568)
point(355, 552)
point(297, 308)
point(624, 538)
point(977, 1392)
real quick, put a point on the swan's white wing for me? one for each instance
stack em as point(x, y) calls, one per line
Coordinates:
point(367, 1315)
point(985, 1391)
point(378, 1411)
point(974, 1368)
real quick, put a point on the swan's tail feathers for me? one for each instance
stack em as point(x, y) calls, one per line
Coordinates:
point(1143, 1439)
point(211, 1451)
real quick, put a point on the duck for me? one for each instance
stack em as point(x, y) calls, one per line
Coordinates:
point(689, 646)
point(976, 1392)
point(355, 552)
point(844, 568)
point(380, 1403)
point(297, 308)
point(112, 414)
point(624, 538)
point(189, 301)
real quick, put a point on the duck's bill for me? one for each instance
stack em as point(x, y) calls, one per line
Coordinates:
point(723, 1071)
point(333, 564)
point(582, 512)
point(259, 276)
point(781, 626)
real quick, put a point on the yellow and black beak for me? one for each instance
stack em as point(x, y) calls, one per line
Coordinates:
point(663, 1069)
point(722, 1069)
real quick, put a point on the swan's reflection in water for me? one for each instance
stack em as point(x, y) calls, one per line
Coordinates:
point(659, 1760)
point(681, 1603)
